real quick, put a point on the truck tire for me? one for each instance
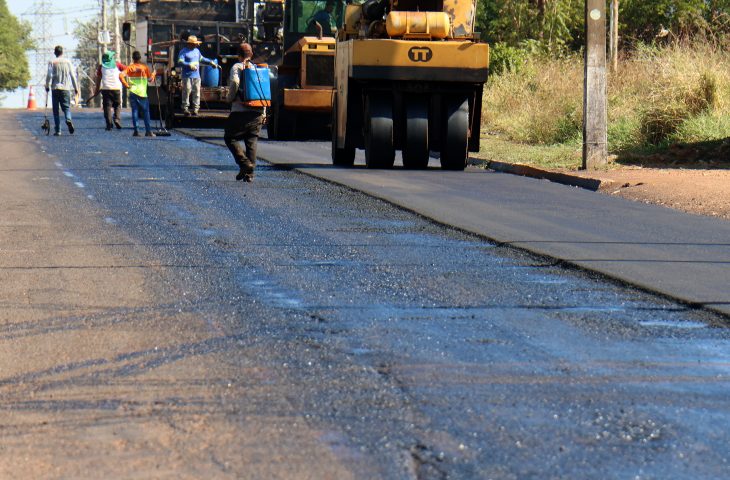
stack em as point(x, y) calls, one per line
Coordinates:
point(455, 139)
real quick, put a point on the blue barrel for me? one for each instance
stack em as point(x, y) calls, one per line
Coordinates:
point(211, 75)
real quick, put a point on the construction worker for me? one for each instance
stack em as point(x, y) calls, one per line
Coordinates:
point(136, 78)
point(61, 81)
point(190, 59)
point(244, 122)
point(323, 22)
point(108, 82)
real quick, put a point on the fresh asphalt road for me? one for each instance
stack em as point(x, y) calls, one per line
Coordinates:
point(673, 253)
point(402, 348)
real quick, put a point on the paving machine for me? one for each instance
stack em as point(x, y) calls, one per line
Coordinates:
point(161, 27)
point(302, 84)
point(409, 76)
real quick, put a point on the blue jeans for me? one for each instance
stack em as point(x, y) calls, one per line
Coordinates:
point(140, 103)
point(60, 98)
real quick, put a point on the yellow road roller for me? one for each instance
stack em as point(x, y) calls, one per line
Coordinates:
point(409, 76)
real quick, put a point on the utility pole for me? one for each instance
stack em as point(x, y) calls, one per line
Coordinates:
point(41, 21)
point(117, 40)
point(614, 36)
point(595, 101)
point(128, 56)
point(103, 23)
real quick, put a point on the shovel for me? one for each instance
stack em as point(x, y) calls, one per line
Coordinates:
point(162, 132)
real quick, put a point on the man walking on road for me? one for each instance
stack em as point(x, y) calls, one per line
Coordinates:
point(244, 122)
point(190, 58)
point(61, 81)
point(110, 86)
point(135, 77)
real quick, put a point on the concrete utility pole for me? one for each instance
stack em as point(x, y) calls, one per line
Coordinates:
point(595, 101)
point(117, 40)
point(128, 56)
point(103, 23)
point(614, 36)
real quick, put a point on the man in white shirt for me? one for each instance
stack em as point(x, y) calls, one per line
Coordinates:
point(110, 86)
point(61, 81)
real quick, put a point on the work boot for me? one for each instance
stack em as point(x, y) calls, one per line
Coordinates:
point(70, 127)
point(135, 133)
point(116, 124)
point(149, 134)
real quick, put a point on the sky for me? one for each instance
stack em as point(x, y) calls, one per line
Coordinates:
point(66, 13)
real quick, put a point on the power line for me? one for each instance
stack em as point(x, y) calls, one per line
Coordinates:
point(42, 37)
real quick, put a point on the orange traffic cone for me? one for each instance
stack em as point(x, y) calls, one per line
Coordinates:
point(31, 99)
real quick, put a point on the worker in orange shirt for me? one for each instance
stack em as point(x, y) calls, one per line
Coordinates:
point(136, 77)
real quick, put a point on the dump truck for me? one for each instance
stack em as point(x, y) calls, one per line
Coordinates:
point(161, 26)
point(409, 76)
point(302, 83)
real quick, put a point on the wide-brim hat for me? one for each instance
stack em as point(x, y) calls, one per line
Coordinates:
point(193, 40)
point(107, 59)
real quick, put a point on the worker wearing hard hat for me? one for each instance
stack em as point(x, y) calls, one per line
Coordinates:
point(190, 59)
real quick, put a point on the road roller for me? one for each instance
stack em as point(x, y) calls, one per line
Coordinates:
point(409, 76)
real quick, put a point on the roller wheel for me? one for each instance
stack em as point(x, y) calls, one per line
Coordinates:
point(415, 148)
point(343, 157)
point(379, 150)
point(455, 142)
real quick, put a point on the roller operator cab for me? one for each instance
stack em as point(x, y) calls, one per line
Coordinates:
point(409, 76)
point(302, 84)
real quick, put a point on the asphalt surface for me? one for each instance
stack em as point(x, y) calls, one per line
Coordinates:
point(683, 256)
point(309, 324)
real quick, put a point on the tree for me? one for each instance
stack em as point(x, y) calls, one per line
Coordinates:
point(14, 42)
point(87, 54)
point(642, 20)
point(554, 23)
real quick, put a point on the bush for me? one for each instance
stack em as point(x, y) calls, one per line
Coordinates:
point(540, 103)
point(660, 96)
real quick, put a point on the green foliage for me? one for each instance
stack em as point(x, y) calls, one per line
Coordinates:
point(14, 41)
point(682, 19)
point(87, 55)
point(558, 24)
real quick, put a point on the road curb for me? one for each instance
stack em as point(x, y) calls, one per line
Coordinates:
point(592, 184)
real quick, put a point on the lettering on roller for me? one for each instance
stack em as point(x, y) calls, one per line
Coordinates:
point(420, 54)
